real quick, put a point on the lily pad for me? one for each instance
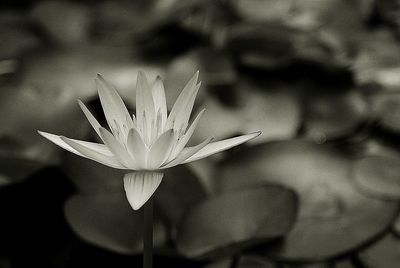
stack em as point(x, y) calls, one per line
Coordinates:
point(91, 177)
point(274, 110)
point(45, 107)
point(73, 71)
point(334, 217)
point(230, 222)
point(378, 176)
point(332, 116)
point(383, 254)
point(261, 47)
point(108, 221)
point(215, 68)
point(179, 191)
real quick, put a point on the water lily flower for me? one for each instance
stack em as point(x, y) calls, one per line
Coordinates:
point(146, 143)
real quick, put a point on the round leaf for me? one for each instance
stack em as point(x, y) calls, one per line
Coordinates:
point(226, 223)
point(179, 191)
point(108, 221)
point(333, 116)
point(379, 176)
point(383, 254)
point(334, 217)
point(274, 110)
point(92, 177)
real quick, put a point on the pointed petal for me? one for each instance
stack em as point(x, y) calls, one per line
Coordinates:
point(184, 104)
point(93, 154)
point(182, 118)
point(186, 153)
point(92, 120)
point(101, 148)
point(220, 146)
point(56, 139)
point(136, 148)
point(115, 111)
point(160, 150)
point(140, 186)
point(185, 138)
point(117, 148)
point(144, 102)
point(160, 103)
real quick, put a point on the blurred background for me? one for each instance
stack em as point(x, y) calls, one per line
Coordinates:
point(319, 188)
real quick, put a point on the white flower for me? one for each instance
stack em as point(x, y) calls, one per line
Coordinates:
point(148, 142)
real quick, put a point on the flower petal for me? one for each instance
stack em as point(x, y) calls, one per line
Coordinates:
point(117, 148)
point(185, 138)
point(115, 111)
point(56, 139)
point(220, 146)
point(136, 148)
point(92, 120)
point(140, 186)
point(145, 111)
point(160, 103)
point(93, 153)
point(160, 150)
point(180, 113)
point(186, 153)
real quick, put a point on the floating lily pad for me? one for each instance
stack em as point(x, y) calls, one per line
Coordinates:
point(272, 110)
point(205, 171)
point(215, 68)
point(334, 115)
point(230, 222)
point(261, 47)
point(179, 191)
point(108, 221)
point(383, 254)
point(334, 217)
point(378, 176)
point(92, 177)
point(73, 72)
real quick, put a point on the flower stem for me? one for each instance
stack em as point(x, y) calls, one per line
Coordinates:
point(148, 234)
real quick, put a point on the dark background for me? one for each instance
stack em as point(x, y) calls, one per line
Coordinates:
point(319, 188)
